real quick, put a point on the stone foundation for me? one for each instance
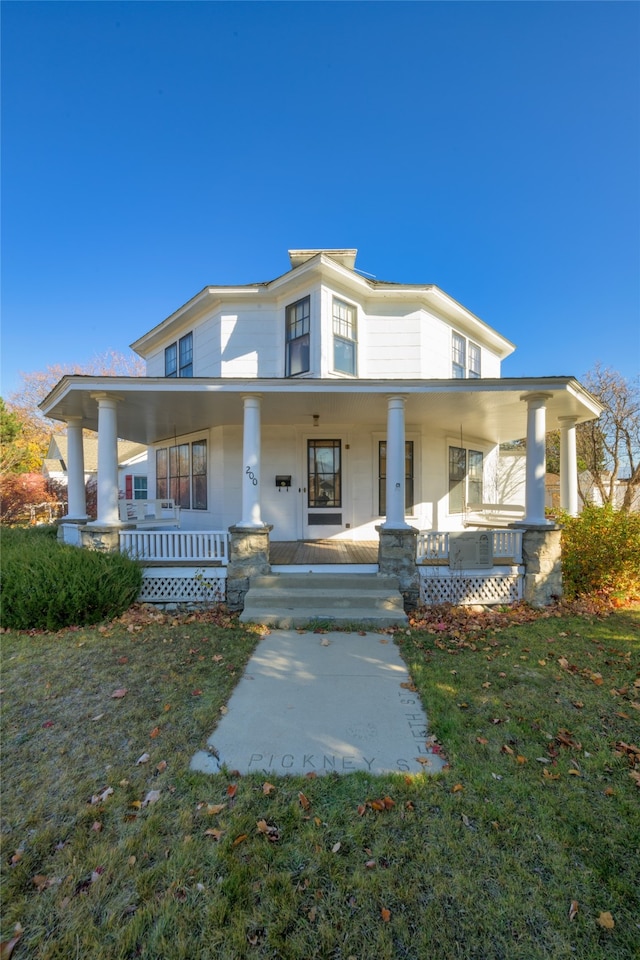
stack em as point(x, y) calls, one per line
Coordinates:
point(397, 558)
point(104, 539)
point(248, 557)
point(542, 558)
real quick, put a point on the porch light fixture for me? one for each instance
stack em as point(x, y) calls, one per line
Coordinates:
point(316, 419)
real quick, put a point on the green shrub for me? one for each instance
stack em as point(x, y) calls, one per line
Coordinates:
point(601, 552)
point(47, 585)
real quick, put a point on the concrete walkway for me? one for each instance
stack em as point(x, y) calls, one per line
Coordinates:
point(322, 702)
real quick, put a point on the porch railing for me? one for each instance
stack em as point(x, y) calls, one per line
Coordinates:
point(433, 546)
point(199, 546)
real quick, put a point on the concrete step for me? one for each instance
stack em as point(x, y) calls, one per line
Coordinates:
point(294, 600)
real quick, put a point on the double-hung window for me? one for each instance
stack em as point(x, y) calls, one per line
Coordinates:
point(382, 477)
point(181, 473)
point(465, 358)
point(345, 341)
point(178, 357)
point(465, 479)
point(297, 337)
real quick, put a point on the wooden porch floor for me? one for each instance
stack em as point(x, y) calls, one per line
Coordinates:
point(305, 552)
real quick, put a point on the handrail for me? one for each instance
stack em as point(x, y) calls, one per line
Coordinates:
point(433, 546)
point(196, 545)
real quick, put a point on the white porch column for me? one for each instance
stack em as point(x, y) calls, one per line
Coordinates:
point(77, 501)
point(568, 466)
point(395, 464)
point(107, 460)
point(251, 463)
point(536, 458)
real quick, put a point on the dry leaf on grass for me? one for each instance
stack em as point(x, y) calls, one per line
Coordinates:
point(385, 914)
point(119, 694)
point(606, 921)
point(573, 910)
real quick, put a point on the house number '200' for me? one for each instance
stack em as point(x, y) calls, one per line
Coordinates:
point(254, 480)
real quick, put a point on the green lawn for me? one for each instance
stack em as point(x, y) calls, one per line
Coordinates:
point(106, 857)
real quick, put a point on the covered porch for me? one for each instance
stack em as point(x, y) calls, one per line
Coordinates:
point(261, 429)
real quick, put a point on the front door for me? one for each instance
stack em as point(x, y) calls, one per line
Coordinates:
point(323, 504)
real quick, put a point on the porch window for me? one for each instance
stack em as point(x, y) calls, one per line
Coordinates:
point(181, 473)
point(135, 488)
point(345, 342)
point(382, 477)
point(297, 337)
point(178, 357)
point(324, 473)
point(465, 358)
point(465, 478)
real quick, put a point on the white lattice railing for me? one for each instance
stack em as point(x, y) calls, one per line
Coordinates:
point(169, 545)
point(434, 546)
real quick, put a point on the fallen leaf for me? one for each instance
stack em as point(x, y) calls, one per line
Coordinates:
point(47, 724)
point(41, 882)
point(162, 766)
point(213, 832)
point(144, 758)
point(155, 733)
point(574, 773)
point(304, 802)
point(325, 643)
point(214, 808)
point(606, 921)
point(409, 686)
point(118, 694)
point(573, 910)
point(457, 788)
point(370, 864)
point(6, 947)
point(224, 710)
point(609, 792)
point(96, 826)
point(232, 789)
point(336, 847)
point(101, 797)
point(267, 788)
point(239, 839)
point(385, 914)
point(482, 740)
point(312, 915)
point(152, 797)
point(550, 776)
point(196, 693)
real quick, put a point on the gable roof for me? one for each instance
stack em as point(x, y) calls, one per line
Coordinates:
point(58, 453)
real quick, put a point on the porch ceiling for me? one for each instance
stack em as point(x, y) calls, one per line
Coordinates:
point(154, 409)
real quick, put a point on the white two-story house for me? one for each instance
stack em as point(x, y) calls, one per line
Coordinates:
point(323, 405)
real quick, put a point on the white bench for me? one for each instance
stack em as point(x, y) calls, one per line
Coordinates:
point(150, 513)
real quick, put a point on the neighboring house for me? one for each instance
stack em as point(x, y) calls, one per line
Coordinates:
point(132, 464)
point(325, 405)
point(306, 401)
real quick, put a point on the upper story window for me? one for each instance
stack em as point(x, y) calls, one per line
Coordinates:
point(178, 358)
point(345, 338)
point(297, 337)
point(465, 358)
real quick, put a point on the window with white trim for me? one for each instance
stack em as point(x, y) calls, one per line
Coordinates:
point(465, 358)
point(465, 479)
point(345, 338)
point(382, 477)
point(297, 324)
point(178, 357)
point(181, 473)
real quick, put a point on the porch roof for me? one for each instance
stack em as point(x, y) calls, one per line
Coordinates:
point(153, 409)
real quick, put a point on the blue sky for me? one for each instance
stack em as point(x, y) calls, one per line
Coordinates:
point(150, 149)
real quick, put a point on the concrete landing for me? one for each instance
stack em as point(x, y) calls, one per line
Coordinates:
point(332, 702)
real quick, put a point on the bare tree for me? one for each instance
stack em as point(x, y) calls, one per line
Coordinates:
point(29, 444)
point(609, 447)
